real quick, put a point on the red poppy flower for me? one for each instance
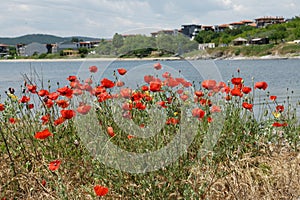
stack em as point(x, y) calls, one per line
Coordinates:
point(127, 106)
point(43, 93)
point(54, 165)
point(137, 96)
point(88, 81)
point(130, 136)
point(180, 91)
point(261, 85)
point(53, 95)
point(2, 107)
point(155, 86)
point(62, 103)
point(107, 83)
point(236, 92)
point(246, 90)
point(237, 81)
point(172, 121)
point(103, 97)
point(48, 102)
point(166, 75)
point(186, 84)
point(198, 112)
point(65, 91)
point(171, 82)
point(228, 98)
point(110, 131)
point(221, 85)
point(145, 88)
point(280, 108)
point(45, 118)
point(162, 104)
point(12, 120)
point(277, 124)
point(209, 119)
point(122, 71)
point(93, 69)
point(72, 78)
point(139, 105)
point(44, 182)
point(148, 78)
point(84, 109)
point(126, 93)
point(59, 121)
point(75, 84)
point(43, 134)
point(31, 88)
point(87, 87)
point(100, 190)
point(24, 99)
point(120, 83)
point(77, 92)
point(209, 84)
point(67, 114)
point(215, 108)
point(273, 98)
point(199, 93)
point(30, 106)
point(247, 106)
point(184, 97)
point(225, 89)
point(205, 102)
point(157, 66)
point(98, 90)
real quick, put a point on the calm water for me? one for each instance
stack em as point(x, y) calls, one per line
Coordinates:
point(279, 74)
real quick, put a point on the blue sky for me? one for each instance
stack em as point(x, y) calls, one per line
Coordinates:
point(103, 18)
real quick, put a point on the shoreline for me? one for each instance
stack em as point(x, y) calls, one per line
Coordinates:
point(91, 59)
point(268, 57)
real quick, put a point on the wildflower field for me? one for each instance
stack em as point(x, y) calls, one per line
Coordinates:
point(51, 150)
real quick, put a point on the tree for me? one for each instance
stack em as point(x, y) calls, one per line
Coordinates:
point(12, 51)
point(74, 39)
point(278, 33)
point(166, 42)
point(118, 41)
point(83, 51)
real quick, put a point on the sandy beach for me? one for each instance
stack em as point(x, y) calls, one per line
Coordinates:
point(90, 59)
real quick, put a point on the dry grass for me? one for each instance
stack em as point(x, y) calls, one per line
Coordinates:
point(272, 175)
point(275, 175)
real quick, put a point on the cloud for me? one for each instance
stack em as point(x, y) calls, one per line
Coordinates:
point(103, 18)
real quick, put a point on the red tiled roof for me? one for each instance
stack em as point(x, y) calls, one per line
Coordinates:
point(270, 17)
point(224, 25)
point(247, 21)
point(237, 23)
point(253, 24)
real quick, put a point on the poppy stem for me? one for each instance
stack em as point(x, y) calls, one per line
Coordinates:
point(12, 164)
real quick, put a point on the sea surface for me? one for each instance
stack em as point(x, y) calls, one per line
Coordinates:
point(282, 75)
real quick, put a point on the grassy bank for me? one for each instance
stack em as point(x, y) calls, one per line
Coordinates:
point(56, 142)
point(280, 50)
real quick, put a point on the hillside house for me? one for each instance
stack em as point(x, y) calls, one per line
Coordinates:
point(221, 27)
point(67, 45)
point(31, 49)
point(190, 30)
point(167, 32)
point(234, 25)
point(4, 50)
point(264, 21)
point(239, 41)
point(259, 41)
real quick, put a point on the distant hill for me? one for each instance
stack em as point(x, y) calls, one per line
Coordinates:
point(41, 38)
